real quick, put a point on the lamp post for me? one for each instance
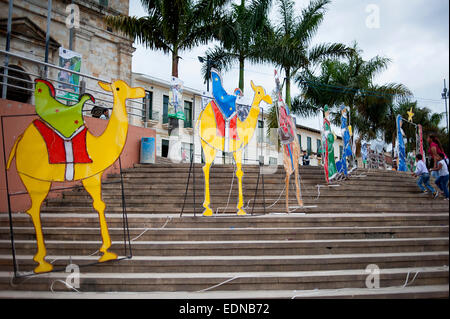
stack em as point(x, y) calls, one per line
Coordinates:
point(444, 97)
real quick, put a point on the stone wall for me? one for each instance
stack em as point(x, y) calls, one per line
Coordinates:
point(106, 55)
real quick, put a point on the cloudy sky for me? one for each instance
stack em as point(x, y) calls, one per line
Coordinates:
point(414, 34)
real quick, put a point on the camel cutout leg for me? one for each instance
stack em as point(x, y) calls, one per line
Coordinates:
point(239, 174)
point(287, 192)
point(38, 191)
point(93, 186)
point(210, 155)
point(297, 186)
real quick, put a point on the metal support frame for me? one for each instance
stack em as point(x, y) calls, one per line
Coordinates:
point(191, 170)
point(259, 174)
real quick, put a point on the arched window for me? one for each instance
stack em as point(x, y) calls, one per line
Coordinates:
point(17, 78)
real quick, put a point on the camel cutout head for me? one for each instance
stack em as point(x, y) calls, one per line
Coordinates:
point(122, 90)
point(260, 94)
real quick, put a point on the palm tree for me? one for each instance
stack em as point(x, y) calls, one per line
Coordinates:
point(351, 82)
point(317, 90)
point(373, 106)
point(172, 25)
point(423, 116)
point(240, 34)
point(289, 46)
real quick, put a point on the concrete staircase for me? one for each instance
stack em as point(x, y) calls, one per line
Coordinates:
point(321, 251)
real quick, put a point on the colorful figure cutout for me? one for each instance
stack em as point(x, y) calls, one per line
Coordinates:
point(400, 146)
point(420, 133)
point(41, 158)
point(328, 142)
point(290, 145)
point(222, 130)
point(347, 153)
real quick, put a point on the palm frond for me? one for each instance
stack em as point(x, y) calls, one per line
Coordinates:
point(143, 30)
point(222, 60)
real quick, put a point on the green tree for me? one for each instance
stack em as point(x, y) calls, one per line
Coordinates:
point(423, 116)
point(240, 34)
point(351, 81)
point(172, 25)
point(289, 46)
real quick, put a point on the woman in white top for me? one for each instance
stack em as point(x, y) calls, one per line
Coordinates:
point(442, 168)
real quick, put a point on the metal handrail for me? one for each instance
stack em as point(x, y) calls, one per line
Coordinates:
point(84, 77)
point(52, 66)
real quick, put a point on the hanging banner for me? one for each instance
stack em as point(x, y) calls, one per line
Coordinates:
point(400, 146)
point(420, 140)
point(328, 142)
point(348, 152)
point(68, 90)
point(176, 109)
point(290, 145)
point(286, 128)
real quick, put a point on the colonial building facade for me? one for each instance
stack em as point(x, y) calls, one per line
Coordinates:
point(261, 147)
point(104, 54)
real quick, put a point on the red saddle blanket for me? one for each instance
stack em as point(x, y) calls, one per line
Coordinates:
point(61, 150)
point(220, 122)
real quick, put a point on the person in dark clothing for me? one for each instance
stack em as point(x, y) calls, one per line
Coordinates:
point(305, 158)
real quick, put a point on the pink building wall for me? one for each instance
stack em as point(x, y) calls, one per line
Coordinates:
point(14, 126)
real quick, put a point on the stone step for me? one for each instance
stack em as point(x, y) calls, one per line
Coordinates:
point(252, 180)
point(252, 187)
point(242, 247)
point(269, 200)
point(311, 193)
point(233, 221)
point(408, 292)
point(228, 175)
point(279, 207)
point(201, 264)
point(204, 234)
point(196, 282)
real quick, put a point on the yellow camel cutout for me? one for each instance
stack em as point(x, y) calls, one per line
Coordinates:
point(37, 174)
point(212, 142)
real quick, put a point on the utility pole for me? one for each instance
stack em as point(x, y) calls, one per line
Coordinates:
point(445, 96)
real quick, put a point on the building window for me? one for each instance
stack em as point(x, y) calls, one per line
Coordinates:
point(18, 79)
point(260, 131)
point(148, 105)
point(299, 141)
point(164, 148)
point(308, 143)
point(319, 147)
point(273, 161)
point(187, 114)
point(165, 109)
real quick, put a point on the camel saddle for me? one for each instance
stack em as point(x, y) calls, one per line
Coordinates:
point(62, 150)
point(224, 106)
